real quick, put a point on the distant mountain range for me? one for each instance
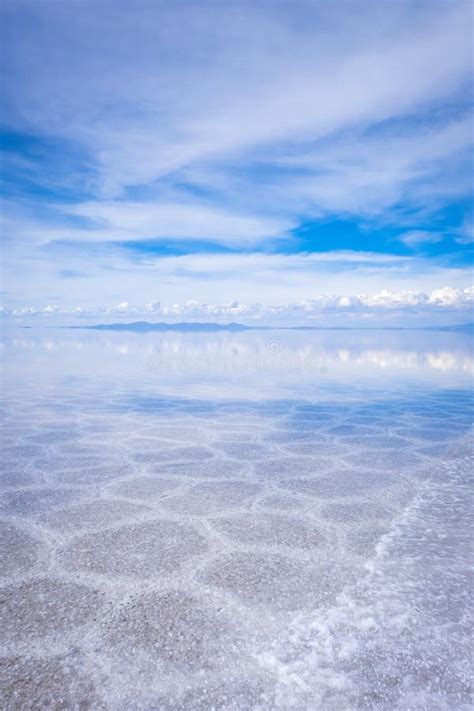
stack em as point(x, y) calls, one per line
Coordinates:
point(458, 327)
point(142, 326)
point(197, 327)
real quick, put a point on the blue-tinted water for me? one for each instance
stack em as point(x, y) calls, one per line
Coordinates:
point(236, 521)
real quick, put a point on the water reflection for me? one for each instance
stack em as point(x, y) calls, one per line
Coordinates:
point(279, 351)
point(320, 479)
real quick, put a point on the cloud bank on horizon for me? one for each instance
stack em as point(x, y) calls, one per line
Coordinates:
point(337, 307)
point(271, 161)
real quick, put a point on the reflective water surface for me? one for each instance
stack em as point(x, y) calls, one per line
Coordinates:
point(256, 520)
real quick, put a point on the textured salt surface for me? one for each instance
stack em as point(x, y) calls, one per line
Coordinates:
point(173, 553)
point(400, 637)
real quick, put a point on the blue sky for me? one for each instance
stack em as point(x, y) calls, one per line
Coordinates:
point(297, 162)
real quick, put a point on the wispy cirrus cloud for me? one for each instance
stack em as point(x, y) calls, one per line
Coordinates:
point(234, 80)
point(121, 221)
point(417, 237)
point(252, 79)
point(235, 126)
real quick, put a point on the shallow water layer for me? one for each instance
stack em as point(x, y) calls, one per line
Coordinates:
point(263, 520)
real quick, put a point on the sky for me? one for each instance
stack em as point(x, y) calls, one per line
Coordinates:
point(269, 161)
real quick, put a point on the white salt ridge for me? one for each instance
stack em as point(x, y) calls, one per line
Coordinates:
point(400, 637)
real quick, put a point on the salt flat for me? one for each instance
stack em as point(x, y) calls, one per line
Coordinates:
point(286, 535)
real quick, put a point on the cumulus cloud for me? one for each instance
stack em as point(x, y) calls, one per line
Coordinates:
point(440, 300)
point(111, 278)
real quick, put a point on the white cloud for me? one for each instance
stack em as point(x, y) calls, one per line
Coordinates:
point(128, 222)
point(416, 237)
point(445, 299)
point(370, 174)
point(122, 221)
point(447, 296)
point(466, 232)
point(111, 277)
point(233, 123)
point(239, 78)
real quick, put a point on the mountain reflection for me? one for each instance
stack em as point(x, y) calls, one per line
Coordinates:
point(272, 351)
